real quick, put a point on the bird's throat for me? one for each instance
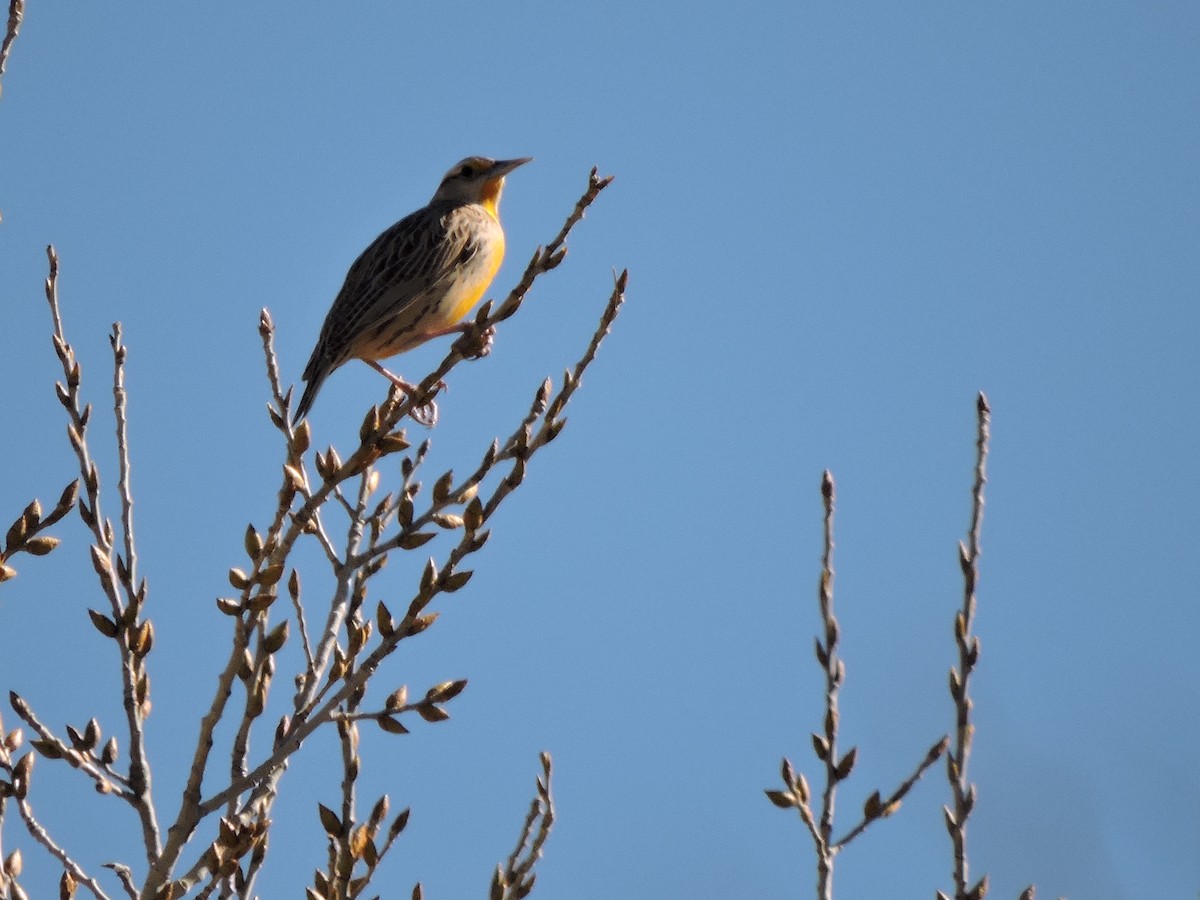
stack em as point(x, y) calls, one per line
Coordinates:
point(490, 197)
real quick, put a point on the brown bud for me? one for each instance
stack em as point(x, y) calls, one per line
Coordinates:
point(431, 713)
point(419, 624)
point(16, 533)
point(276, 638)
point(329, 820)
point(400, 823)
point(40, 546)
point(270, 575)
point(413, 539)
point(378, 811)
point(13, 740)
point(447, 690)
point(261, 601)
point(370, 424)
point(782, 799)
point(393, 443)
point(142, 638)
point(253, 543)
point(301, 438)
point(441, 487)
point(473, 515)
point(873, 808)
point(391, 725)
point(429, 575)
point(843, 768)
point(383, 620)
point(103, 623)
point(820, 747)
point(45, 748)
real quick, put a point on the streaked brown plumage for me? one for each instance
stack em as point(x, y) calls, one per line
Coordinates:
point(419, 278)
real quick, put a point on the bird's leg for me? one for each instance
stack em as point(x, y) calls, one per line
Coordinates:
point(399, 382)
point(427, 413)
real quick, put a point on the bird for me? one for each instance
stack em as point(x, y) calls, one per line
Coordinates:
point(417, 280)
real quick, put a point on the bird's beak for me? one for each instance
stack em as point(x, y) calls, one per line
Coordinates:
point(503, 166)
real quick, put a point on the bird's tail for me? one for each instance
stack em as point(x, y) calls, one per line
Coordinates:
point(314, 381)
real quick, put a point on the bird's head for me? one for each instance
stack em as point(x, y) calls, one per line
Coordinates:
point(477, 179)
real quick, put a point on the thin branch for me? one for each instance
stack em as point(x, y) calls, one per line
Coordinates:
point(961, 788)
point(835, 672)
point(878, 808)
point(39, 834)
point(16, 12)
point(24, 535)
point(53, 747)
point(120, 405)
point(134, 638)
point(796, 794)
point(516, 878)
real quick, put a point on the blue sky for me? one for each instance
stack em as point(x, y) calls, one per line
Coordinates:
point(841, 222)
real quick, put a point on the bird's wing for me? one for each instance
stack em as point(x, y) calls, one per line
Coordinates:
point(402, 265)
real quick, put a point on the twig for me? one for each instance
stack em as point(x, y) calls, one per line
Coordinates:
point(120, 405)
point(24, 535)
point(50, 746)
point(796, 794)
point(134, 638)
point(16, 12)
point(39, 834)
point(968, 655)
point(835, 673)
point(877, 808)
point(515, 879)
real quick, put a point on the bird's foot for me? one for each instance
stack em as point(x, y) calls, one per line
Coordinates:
point(475, 343)
point(426, 414)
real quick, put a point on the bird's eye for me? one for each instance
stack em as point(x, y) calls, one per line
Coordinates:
point(466, 172)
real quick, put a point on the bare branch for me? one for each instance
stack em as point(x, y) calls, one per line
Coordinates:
point(516, 878)
point(796, 794)
point(39, 834)
point(120, 404)
point(16, 12)
point(962, 790)
point(50, 746)
point(132, 637)
point(879, 808)
point(24, 535)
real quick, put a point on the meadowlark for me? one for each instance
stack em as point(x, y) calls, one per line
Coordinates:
point(418, 279)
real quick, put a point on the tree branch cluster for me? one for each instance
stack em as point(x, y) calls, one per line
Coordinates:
point(339, 502)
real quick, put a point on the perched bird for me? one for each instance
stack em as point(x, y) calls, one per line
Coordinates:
point(419, 278)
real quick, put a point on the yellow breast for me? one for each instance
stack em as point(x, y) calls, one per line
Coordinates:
point(475, 281)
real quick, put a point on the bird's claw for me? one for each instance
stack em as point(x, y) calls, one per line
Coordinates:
point(426, 414)
point(476, 343)
point(424, 410)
